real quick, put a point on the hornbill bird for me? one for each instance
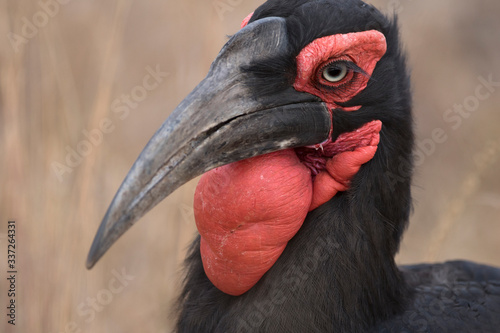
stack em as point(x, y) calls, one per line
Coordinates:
point(302, 130)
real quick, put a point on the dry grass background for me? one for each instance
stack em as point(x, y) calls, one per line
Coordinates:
point(64, 80)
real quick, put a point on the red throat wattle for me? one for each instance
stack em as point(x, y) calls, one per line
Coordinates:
point(247, 211)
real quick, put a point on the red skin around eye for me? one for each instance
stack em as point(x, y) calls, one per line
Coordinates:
point(363, 48)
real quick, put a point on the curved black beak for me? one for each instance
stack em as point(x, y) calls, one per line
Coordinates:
point(219, 122)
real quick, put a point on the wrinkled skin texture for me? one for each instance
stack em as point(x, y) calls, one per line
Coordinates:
point(247, 212)
point(343, 159)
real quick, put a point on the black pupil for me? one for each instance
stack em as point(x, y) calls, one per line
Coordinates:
point(334, 71)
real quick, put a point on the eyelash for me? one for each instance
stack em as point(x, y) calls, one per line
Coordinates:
point(353, 72)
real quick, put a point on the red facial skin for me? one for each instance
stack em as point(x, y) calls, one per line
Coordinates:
point(247, 211)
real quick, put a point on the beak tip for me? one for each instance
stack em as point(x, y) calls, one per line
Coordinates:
point(93, 255)
point(89, 264)
point(109, 231)
point(97, 249)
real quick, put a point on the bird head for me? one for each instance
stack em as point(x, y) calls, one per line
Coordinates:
point(307, 102)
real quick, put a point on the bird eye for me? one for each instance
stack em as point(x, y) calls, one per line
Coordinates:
point(335, 72)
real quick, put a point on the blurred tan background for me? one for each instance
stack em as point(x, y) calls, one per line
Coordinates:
point(65, 66)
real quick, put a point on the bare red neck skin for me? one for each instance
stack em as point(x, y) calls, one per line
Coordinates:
point(247, 211)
